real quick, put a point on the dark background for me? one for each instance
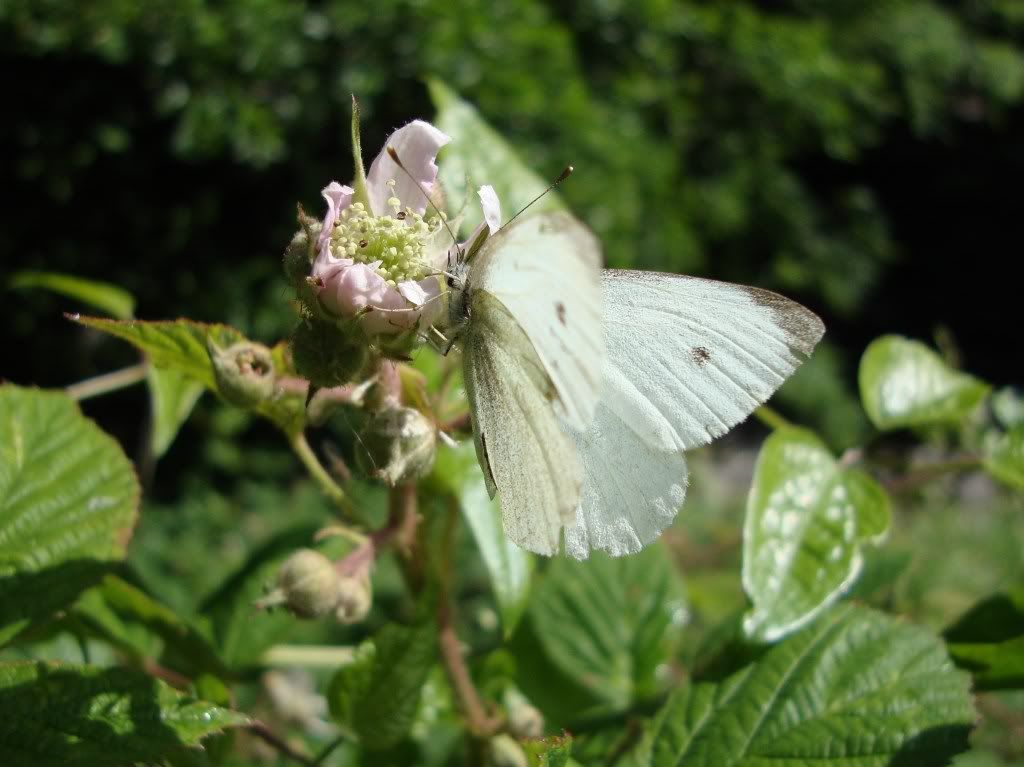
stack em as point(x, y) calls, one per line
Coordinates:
point(861, 157)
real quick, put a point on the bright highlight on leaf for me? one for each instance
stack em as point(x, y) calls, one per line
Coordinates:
point(855, 689)
point(807, 519)
point(68, 499)
point(904, 383)
point(108, 298)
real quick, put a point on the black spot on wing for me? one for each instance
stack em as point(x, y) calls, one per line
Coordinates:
point(701, 355)
point(560, 311)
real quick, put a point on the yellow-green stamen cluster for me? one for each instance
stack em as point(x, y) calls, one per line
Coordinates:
point(396, 240)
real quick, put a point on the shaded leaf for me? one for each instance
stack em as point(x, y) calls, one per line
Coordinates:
point(479, 155)
point(107, 298)
point(607, 623)
point(376, 696)
point(181, 345)
point(68, 501)
point(988, 641)
point(857, 688)
point(807, 518)
point(554, 751)
point(507, 565)
point(172, 397)
point(1004, 457)
point(904, 383)
point(57, 715)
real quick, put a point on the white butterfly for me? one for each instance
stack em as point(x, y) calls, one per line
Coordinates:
point(687, 359)
point(526, 307)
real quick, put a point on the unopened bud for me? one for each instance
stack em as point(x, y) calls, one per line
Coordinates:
point(327, 355)
point(524, 719)
point(299, 255)
point(244, 372)
point(504, 751)
point(401, 443)
point(308, 584)
point(355, 597)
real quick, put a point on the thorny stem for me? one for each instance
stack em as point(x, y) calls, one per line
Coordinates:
point(260, 730)
point(478, 721)
point(108, 382)
point(316, 470)
point(922, 473)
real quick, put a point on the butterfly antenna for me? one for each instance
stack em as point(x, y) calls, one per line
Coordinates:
point(444, 219)
point(561, 177)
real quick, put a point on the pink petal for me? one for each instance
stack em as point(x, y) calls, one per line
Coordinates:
point(416, 145)
point(338, 198)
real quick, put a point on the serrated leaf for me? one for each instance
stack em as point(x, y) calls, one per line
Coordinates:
point(68, 500)
point(457, 470)
point(904, 383)
point(172, 397)
point(988, 641)
point(607, 623)
point(807, 519)
point(857, 688)
point(133, 620)
point(479, 155)
point(181, 345)
point(1004, 457)
point(376, 696)
point(56, 715)
point(107, 298)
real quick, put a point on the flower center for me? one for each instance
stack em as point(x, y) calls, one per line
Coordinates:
point(396, 241)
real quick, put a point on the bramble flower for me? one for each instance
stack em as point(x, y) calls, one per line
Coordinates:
point(379, 253)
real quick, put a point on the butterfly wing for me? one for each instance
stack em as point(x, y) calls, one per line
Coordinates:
point(687, 359)
point(525, 456)
point(545, 271)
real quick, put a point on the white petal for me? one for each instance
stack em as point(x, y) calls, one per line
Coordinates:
point(416, 145)
point(491, 206)
point(338, 198)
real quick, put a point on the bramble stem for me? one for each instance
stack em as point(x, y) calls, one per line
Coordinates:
point(918, 475)
point(260, 730)
point(307, 656)
point(771, 418)
point(320, 475)
point(108, 382)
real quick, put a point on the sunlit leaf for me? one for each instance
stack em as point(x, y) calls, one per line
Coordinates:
point(376, 696)
point(904, 383)
point(54, 715)
point(807, 518)
point(172, 397)
point(68, 500)
point(854, 689)
point(479, 155)
point(109, 299)
point(608, 623)
point(507, 565)
point(1004, 457)
point(181, 346)
point(554, 751)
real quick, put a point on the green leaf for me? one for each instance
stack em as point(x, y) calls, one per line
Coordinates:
point(988, 641)
point(607, 623)
point(553, 751)
point(68, 501)
point(904, 383)
point(133, 620)
point(99, 295)
point(53, 715)
point(172, 397)
point(507, 565)
point(376, 696)
point(857, 688)
point(479, 155)
point(181, 346)
point(807, 518)
point(1004, 457)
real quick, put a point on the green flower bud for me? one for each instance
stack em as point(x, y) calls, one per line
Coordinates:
point(309, 584)
point(354, 600)
point(327, 354)
point(504, 751)
point(401, 444)
point(524, 719)
point(244, 372)
point(299, 255)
